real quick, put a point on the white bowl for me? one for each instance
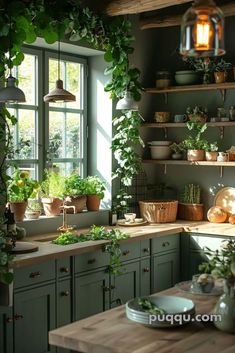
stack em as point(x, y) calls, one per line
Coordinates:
point(160, 152)
point(160, 143)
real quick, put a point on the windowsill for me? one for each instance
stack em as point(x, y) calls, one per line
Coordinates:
point(50, 224)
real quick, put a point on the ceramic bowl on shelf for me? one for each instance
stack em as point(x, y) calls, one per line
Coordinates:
point(160, 152)
point(188, 77)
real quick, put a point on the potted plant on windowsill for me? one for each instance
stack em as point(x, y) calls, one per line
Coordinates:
point(94, 188)
point(33, 209)
point(52, 192)
point(221, 71)
point(194, 144)
point(20, 188)
point(74, 192)
point(190, 208)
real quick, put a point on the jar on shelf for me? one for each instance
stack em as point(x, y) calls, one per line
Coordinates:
point(163, 79)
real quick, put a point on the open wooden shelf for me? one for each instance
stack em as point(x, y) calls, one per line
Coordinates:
point(202, 87)
point(183, 162)
point(180, 125)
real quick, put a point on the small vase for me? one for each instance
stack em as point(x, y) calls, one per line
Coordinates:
point(225, 308)
point(220, 77)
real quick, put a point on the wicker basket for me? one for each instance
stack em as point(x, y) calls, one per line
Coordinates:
point(159, 211)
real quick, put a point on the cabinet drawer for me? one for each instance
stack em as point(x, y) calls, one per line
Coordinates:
point(91, 261)
point(145, 247)
point(167, 243)
point(63, 267)
point(130, 251)
point(30, 275)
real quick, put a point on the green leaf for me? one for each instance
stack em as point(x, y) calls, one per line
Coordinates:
point(30, 36)
point(18, 59)
point(49, 35)
point(75, 37)
point(108, 56)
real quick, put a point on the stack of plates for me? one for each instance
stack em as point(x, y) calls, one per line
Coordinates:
point(178, 311)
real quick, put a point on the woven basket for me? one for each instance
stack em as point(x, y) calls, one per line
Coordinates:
point(159, 211)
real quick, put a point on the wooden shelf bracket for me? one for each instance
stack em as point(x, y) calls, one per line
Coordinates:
point(223, 94)
point(165, 132)
point(221, 171)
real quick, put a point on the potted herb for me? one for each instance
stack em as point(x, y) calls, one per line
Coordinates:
point(221, 264)
point(20, 188)
point(211, 151)
point(74, 186)
point(205, 66)
point(52, 192)
point(190, 207)
point(194, 144)
point(94, 188)
point(33, 209)
point(221, 70)
point(197, 114)
point(177, 149)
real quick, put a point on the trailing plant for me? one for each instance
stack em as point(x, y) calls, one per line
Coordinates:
point(99, 233)
point(21, 187)
point(53, 184)
point(191, 194)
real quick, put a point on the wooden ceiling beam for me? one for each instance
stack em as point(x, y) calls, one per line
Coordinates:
point(125, 7)
point(175, 20)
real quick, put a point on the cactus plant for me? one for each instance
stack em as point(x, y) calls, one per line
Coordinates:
point(191, 194)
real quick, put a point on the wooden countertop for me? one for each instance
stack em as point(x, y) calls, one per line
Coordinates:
point(47, 250)
point(112, 332)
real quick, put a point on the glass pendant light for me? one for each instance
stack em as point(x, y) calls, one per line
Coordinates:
point(59, 94)
point(202, 30)
point(127, 102)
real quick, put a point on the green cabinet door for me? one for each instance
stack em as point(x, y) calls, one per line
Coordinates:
point(125, 286)
point(34, 313)
point(91, 294)
point(6, 330)
point(165, 271)
point(145, 277)
point(64, 306)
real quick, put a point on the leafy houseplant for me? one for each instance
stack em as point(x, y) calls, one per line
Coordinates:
point(52, 192)
point(211, 151)
point(197, 114)
point(20, 188)
point(221, 264)
point(220, 70)
point(190, 207)
point(202, 65)
point(74, 195)
point(178, 149)
point(194, 144)
point(94, 189)
point(33, 209)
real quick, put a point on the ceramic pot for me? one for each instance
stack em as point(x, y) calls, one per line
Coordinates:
point(188, 77)
point(211, 156)
point(51, 206)
point(195, 155)
point(93, 203)
point(222, 157)
point(198, 118)
point(32, 214)
point(177, 156)
point(79, 203)
point(220, 77)
point(225, 307)
point(18, 208)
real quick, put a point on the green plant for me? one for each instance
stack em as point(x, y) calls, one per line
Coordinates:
point(221, 262)
point(195, 142)
point(212, 147)
point(92, 185)
point(34, 206)
point(222, 66)
point(74, 185)
point(21, 186)
point(99, 233)
point(5, 275)
point(53, 184)
point(177, 147)
point(197, 110)
point(191, 194)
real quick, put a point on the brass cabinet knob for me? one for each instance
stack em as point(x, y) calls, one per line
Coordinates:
point(64, 269)
point(126, 252)
point(146, 269)
point(35, 274)
point(65, 293)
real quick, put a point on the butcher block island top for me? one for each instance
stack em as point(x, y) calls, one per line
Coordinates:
point(112, 332)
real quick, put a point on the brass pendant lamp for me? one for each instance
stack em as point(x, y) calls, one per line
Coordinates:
point(59, 94)
point(202, 30)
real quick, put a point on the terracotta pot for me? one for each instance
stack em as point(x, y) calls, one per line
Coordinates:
point(78, 202)
point(93, 203)
point(51, 206)
point(18, 208)
point(190, 211)
point(211, 156)
point(220, 77)
point(195, 155)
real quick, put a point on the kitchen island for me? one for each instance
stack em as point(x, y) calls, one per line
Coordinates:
point(112, 332)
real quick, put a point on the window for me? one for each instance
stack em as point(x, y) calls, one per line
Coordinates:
point(50, 133)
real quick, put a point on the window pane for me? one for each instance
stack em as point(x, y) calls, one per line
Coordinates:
point(31, 168)
point(26, 143)
point(68, 167)
point(27, 78)
point(64, 135)
point(70, 74)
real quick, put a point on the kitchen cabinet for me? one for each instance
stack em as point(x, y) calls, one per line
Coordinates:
point(6, 329)
point(91, 294)
point(165, 262)
point(34, 316)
